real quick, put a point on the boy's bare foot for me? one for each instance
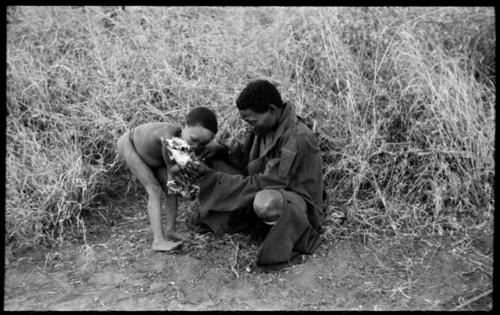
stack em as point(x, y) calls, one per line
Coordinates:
point(164, 245)
point(177, 235)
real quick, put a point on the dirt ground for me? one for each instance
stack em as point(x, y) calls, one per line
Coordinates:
point(117, 270)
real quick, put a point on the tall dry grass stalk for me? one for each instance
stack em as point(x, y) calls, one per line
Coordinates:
point(404, 99)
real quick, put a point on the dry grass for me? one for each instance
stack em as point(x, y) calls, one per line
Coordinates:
point(404, 97)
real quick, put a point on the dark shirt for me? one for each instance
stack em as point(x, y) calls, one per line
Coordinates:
point(291, 161)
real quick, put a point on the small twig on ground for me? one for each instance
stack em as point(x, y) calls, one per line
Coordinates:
point(488, 269)
point(482, 255)
point(472, 300)
point(235, 263)
point(429, 263)
point(48, 257)
point(236, 260)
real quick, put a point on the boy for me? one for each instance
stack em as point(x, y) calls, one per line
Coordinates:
point(142, 150)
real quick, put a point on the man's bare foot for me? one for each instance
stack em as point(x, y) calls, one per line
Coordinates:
point(177, 235)
point(164, 245)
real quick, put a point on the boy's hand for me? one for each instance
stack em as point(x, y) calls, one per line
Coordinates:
point(212, 149)
point(174, 169)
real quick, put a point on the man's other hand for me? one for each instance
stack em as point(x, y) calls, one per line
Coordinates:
point(213, 149)
point(199, 169)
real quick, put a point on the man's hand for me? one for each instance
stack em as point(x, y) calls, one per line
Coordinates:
point(198, 169)
point(212, 149)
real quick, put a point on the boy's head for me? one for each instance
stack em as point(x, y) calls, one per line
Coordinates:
point(200, 127)
point(260, 105)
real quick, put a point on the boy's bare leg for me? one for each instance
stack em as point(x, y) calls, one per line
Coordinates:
point(171, 217)
point(154, 211)
point(145, 175)
point(171, 213)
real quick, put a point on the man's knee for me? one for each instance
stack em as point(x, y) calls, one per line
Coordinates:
point(268, 205)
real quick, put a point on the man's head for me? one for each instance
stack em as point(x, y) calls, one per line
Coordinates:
point(200, 128)
point(260, 105)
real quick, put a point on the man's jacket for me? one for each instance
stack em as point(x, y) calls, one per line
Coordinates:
point(291, 162)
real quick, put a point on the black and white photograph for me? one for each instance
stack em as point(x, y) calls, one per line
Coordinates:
point(249, 158)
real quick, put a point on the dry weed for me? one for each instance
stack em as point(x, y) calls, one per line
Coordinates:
point(404, 100)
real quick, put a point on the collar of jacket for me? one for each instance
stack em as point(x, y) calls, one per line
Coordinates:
point(287, 119)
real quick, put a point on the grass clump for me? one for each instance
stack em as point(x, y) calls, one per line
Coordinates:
point(403, 99)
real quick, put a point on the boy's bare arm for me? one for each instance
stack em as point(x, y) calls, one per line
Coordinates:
point(170, 164)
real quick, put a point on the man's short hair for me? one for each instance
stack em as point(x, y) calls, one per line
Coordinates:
point(202, 116)
point(258, 95)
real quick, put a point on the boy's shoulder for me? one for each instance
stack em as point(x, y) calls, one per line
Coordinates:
point(157, 130)
point(163, 127)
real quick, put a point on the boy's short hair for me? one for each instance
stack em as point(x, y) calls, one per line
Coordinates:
point(202, 116)
point(258, 95)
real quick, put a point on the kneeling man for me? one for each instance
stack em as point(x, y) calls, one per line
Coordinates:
point(272, 183)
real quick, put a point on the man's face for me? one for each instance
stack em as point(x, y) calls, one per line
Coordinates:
point(197, 137)
point(261, 123)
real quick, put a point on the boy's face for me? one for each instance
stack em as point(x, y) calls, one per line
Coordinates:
point(197, 137)
point(261, 123)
